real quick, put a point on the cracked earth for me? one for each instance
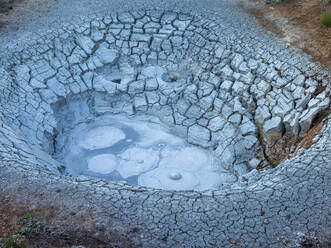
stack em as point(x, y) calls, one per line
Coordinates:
point(206, 71)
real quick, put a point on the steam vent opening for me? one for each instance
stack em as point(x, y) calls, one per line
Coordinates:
point(189, 129)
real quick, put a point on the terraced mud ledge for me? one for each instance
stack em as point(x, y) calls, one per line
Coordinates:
point(220, 83)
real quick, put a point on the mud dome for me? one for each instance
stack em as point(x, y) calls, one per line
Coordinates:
point(174, 102)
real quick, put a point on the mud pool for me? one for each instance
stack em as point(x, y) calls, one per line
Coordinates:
point(141, 151)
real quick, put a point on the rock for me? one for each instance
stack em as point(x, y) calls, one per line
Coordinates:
point(299, 80)
point(238, 88)
point(280, 83)
point(298, 92)
point(303, 100)
point(216, 124)
point(226, 155)
point(140, 103)
point(262, 114)
point(199, 135)
point(136, 87)
point(235, 118)
point(151, 84)
point(219, 52)
point(86, 43)
point(107, 56)
point(291, 123)
point(307, 117)
point(236, 61)
point(247, 127)
point(254, 162)
point(226, 72)
point(273, 129)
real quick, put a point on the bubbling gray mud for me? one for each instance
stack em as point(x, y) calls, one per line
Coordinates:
point(141, 151)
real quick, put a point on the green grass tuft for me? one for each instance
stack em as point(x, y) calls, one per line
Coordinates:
point(326, 19)
point(279, 2)
point(30, 225)
point(13, 242)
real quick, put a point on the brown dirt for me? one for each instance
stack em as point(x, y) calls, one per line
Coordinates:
point(53, 233)
point(316, 129)
point(298, 22)
point(281, 149)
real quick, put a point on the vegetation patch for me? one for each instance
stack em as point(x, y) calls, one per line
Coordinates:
point(326, 19)
point(14, 241)
point(278, 2)
point(30, 225)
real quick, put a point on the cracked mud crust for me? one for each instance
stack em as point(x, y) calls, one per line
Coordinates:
point(237, 86)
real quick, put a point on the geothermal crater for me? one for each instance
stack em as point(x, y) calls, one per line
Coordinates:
point(179, 71)
point(168, 101)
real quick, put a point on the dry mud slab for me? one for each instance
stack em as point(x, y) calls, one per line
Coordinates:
point(209, 73)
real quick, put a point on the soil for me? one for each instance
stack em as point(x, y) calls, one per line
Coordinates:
point(297, 22)
point(53, 232)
